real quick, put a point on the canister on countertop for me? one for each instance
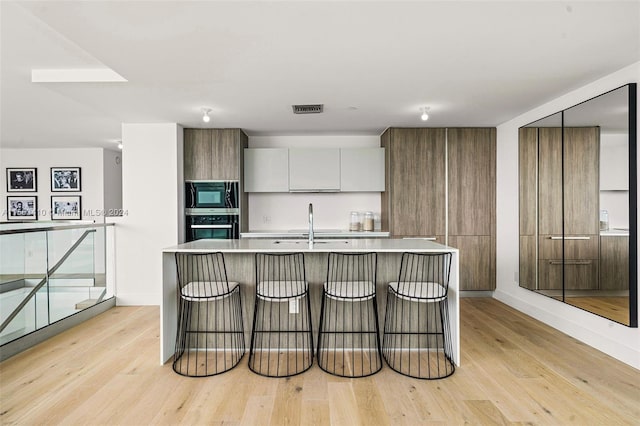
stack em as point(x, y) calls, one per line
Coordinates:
point(377, 222)
point(604, 220)
point(367, 223)
point(355, 223)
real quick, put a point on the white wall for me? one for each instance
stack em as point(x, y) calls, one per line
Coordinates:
point(152, 189)
point(285, 211)
point(90, 160)
point(612, 338)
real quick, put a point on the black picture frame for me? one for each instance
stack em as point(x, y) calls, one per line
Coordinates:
point(22, 179)
point(22, 207)
point(66, 207)
point(65, 179)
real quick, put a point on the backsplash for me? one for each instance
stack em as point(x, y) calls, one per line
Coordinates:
point(617, 204)
point(290, 211)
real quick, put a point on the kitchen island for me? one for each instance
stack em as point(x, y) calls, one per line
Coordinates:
point(240, 264)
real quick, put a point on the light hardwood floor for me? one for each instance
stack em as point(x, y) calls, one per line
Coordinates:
point(514, 370)
point(615, 308)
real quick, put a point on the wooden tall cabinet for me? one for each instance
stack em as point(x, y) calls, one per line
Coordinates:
point(217, 154)
point(550, 181)
point(528, 189)
point(582, 181)
point(413, 203)
point(471, 164)
point(418, 201)
point(559, 204)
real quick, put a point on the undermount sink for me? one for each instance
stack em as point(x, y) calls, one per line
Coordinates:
point(307, 242)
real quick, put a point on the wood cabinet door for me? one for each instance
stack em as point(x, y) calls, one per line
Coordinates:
point(527, 179)
point(471, 164)
point(550, 275)
point(416, 182)
point(528, 265)
point(471, 154)
point(581, 180)
point(212, 154)
point(550, 181)
point(614, 263)
point(476, 266)
point(197, 152)
point(578, 274)
point(225, 154)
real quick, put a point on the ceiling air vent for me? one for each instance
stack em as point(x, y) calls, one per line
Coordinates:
point(308, 109)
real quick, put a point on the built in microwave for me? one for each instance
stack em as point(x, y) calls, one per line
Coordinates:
point(200, 194)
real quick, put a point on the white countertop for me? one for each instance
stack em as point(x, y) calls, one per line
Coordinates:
point(264, 245)
point(319, 234)
point(613, 232)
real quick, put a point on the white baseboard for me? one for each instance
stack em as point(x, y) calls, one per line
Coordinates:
point(137, 299)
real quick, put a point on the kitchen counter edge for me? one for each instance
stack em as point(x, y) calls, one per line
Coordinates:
point(263, 245)
point(318, 235)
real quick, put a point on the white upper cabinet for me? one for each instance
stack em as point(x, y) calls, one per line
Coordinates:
point(362, 169)
point(266, 170)
point(314, 169)
point(614, 157)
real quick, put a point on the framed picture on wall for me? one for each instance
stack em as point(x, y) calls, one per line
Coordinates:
point(66, 207)
point(21, 179)
point(22, 208)
point(65, 179)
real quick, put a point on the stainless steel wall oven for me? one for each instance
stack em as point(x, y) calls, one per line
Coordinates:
point(212, 210)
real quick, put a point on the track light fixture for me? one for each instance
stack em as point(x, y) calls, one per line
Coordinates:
point(205, 114)
point(424, 116)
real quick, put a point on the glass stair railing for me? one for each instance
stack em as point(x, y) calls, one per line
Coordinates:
point(50, 273)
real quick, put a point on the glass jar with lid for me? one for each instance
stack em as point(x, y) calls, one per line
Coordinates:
point(355, 222)
point(367, 223)
point(604, 220)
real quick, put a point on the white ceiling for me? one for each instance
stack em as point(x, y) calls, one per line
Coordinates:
point(473, 63)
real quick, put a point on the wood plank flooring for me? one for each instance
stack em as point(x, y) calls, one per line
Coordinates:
point(615, 308)
point(514, 370)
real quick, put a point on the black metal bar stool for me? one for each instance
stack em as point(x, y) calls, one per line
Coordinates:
point(281, 339)
point(348, 338)
point(210, 337)
point(417, 336)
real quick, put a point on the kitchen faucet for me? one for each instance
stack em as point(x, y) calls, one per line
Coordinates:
point(310, 224)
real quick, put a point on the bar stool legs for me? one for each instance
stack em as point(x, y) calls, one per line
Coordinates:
point(210, 335)
point(281, 340)
point(348, 338)
point(417, 337)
